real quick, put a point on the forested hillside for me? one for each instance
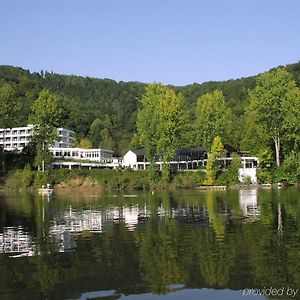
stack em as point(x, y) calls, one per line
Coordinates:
point(105, 110)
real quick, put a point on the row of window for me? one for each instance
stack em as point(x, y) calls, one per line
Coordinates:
point(20, 145)
point(76, 154)
point(16, 132)
point(15, 139)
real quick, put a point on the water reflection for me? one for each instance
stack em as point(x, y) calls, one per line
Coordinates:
point(249, 205)
point(15, 240)
point(149, 243)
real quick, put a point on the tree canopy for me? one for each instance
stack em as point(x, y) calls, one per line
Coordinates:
point(276, 103)
point(46, 115)
point(161, 122)
point(212, 118)
point(116, 105)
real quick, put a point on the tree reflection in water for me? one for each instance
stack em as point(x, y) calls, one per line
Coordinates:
point(149, 243)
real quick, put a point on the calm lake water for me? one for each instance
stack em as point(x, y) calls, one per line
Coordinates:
point(166, 245)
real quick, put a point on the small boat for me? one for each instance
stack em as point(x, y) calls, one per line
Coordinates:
point(45, 191)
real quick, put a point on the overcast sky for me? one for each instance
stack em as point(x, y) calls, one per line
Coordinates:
point(168, 41)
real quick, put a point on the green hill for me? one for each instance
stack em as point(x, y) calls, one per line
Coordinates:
point(85, 99)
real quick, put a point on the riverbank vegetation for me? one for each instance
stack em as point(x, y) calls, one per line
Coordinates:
point(65, 180)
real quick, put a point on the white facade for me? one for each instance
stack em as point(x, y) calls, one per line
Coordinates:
point(17, 138)
point(130, 160)
point(248, 169)
point(97, 155)
point(65, 138)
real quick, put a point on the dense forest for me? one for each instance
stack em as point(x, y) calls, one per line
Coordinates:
point(105, 111)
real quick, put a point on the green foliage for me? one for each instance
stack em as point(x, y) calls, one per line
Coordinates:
point(264, 172)
point(41, 178)
point(85, 143)
point(116, 104)
point(161, 124)
point(188, 179)
point(212, 118)
point(95, 132)
point(290, 170)
point(9, 108)
point(231, 175)
point(173, 119)
point(265, 159)
point(46, 115)
point(212, 167)
point(254, 137)
point(27, 176)
point(147, 119)
point(217, 147)
point(275, 102)
point(264, 176)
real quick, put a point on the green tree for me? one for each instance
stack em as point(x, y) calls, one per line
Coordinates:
point(161, 123)
point(212, 166)
point(147, 120)
point(173, 119)
point(9, 107)
point(212, 117)
point(254, 137)
point(106, 140)
point(95, 132)
point(276, 103)
point(233, 170)
point(45, 116)
point(266, 161)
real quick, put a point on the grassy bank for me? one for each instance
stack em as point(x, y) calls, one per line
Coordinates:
point(64, 180)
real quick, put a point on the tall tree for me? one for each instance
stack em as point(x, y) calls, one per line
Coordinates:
point(212, 117)
point(161, 122)
point(173, 121)
point(147, 121)
point(9, 106)
point(45, 116)
point(95, 132)
point(212, 167)
point(276, 104)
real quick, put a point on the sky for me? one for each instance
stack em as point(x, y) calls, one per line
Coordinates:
point(168, 41)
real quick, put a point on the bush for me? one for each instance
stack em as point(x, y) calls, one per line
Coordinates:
point(188, 179)
point(41, 178)
point(264, 172)
point(27, 176)
point(291, 168)
point(264, 176)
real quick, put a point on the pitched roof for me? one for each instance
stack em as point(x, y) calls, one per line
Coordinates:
point(138, 151)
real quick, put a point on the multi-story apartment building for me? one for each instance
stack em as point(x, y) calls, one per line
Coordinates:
point(17, 138)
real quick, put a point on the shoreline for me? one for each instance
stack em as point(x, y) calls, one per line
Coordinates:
point(98, 188)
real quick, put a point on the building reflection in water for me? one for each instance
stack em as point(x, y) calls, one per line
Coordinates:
point(248, 203)
point(66, 225)
point(15, 240)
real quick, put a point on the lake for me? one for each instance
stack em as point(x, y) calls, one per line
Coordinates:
point(161, 245)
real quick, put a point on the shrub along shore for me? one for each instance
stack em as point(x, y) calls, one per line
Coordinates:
point(64, 180)
point(112, 180)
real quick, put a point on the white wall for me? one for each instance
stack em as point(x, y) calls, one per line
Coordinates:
point(130, 159)
point(247, 172)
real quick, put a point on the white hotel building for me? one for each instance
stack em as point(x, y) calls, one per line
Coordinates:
point(17, 138)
